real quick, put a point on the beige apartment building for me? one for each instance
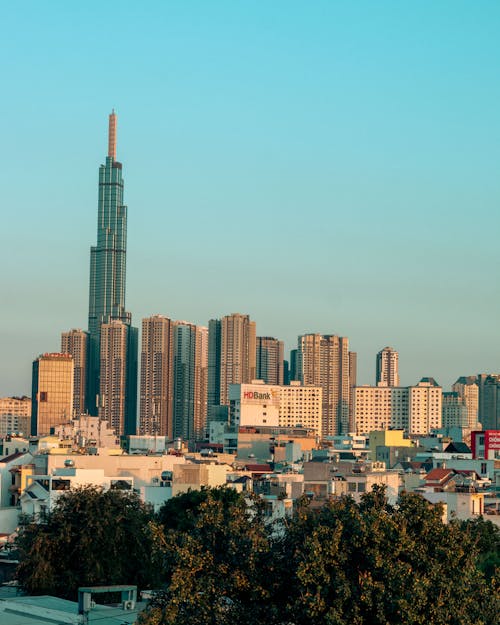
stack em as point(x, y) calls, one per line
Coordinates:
point(259, 404)
point(414, 409)
point(52, 399)
point(15, 415)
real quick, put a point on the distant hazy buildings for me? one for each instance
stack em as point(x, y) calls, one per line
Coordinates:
point(323, 360)
point(75, 343)
point(270, 355)
point(388, 367)
point(414, 409)
point(107, 278)
point(52, 392)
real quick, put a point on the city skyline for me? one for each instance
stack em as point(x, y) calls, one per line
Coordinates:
point(321, 184)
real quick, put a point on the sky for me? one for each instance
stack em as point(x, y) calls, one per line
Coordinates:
point(323, 166)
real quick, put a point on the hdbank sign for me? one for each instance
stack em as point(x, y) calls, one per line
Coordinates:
point(260, 395)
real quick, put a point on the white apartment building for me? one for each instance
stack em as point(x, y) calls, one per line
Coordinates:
point(260, 404)
point(415, 409)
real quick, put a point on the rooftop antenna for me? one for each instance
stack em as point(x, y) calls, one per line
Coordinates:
point(112, 135)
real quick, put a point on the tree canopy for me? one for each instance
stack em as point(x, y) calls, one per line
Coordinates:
point(90, 538)
point(215, 559)
point(366, 563)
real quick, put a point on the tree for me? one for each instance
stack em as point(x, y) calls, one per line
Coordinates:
point(217, 555)
point(90, 538)
point(365, 564)
point(374, 564)
point(486, 537)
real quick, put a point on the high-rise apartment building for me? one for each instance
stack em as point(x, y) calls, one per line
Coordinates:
point(388, 367)
point(190, 365)
point(75, 343)
point(108, 266)
point(270, 355)
point(425, 406)
point(323, 360)
point(231, 357)
point(173, 392)
point(157, 376)
point(52, 392)
point(468, 389)
point(118, 376)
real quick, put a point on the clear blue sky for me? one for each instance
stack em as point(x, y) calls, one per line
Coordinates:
point(324, 166)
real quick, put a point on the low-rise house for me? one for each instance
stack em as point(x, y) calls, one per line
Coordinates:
point(43, 491)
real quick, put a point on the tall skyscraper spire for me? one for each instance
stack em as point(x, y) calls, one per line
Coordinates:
point(107, 270)
point(112, 135)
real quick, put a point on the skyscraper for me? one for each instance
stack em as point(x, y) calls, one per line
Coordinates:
point(323, 360)
point(270, 359)
point(157, 376)
point(238, 357)
point(107, 266)
point(387, 367)
point(75, 343)
point(52, 392)
point(190, 364)
point(231, 357)
point(173, 378)
point(118, 376)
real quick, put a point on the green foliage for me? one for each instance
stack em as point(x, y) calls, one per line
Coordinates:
point(373, 564)
point(216, 556)
point(220, 563)
point(90, 538)
point(365, 564)
point(486, 537)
